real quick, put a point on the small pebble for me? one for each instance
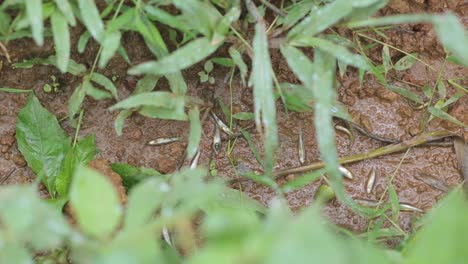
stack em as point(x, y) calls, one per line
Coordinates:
point(19, 160)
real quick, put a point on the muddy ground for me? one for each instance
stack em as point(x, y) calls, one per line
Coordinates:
point(376, 109)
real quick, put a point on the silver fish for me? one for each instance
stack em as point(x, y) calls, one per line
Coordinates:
point(166, 236)
point(371, 180)
point(194, 162)
point(410, 208)
point(344, 130)
point(345, 172)
point(368, 203)
point(432, 181)
point(301, 149)
point(163, 141)
point(221, 125)
point(217, 140)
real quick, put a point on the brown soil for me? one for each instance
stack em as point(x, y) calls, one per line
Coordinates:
point(378, 110)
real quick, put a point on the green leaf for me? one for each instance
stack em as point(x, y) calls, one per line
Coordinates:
point(299, 63)
point(156, 99)
point(105, 82)
point(176, 112)
point(14, 90)
point(445, 116)
point(302, 180)
point(146, 84)
point(200, 16)
point(42, 141)
point(5, 20)
point(394, 201)
point(61, 40)
point(320, 19)
point(237, 58)
point(13, 253)
point(67, 11)
point(180, 59)
point(252, 147)
point(338, 51)
point(165, 18)
point(264, 101)
point(83, 41)
point(120, 120)
point(74, 103)
point(195, 133)
point(226, 62)
point(453, 35)
point(110, 44)
point(441, 240)
point(386, 59)
point(95, 93)
point(405, 93)
point(406, 62)
point(97, 206)
point(91, 18)
point(132, 175)
point(83, 152)
point(441, 89)
point(144, 200)
point(233, 199)
point(297, 12)
point(244, 116)
point(42, 228)
point(34, 12)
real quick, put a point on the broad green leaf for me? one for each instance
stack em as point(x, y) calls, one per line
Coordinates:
point(201, 16)
point(151, 35)
point(297, 12)
point(42, 141)
point(74, 103)
point(14, 253)
point(338, 51)
point(155, 99)
point(5, 20)
point(146, 84)
point(29, 220)
point(120, 121)
point(132, 175)
point(264, 101)
point(405, 93)
point(110, 44)
point(208, 66)
point(237, 58)
point(123, 22)
point(91, 18)
point(243, 116)
point(442, 238)
point(166, 18)
point(66, 9)
point(300, 64)
point(195, 133)
point(176, 112)
point(95, 93)
point(83, 152)
point(367, 11)
point(364, 3)
point(83, 41)
point(14, 90)
point(144, 200)
point(226, 62)
point(320, 19)
point(453, 35)
point(441, 89)
point(61, 40)
point(406, 62)
point(34, 12)
point(105, 82)
point(180, 59)
point(298, 98)
point(445, 116)
point(95, 202)
point(386, 59)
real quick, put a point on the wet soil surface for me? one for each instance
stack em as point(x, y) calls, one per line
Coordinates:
point(378, 110)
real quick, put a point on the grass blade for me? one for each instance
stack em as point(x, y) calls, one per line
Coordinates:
point(91, 18)
point(34, 13)
point(303, 180)
point(110, 44)
point(14, 90)
point(264, 101)
point(299, 64)
point(405, 93)
point(120, 121)
point(237, 58)
point(66, 10)
point(61, 40)
point(156, 99)
point(252, 147)
point(74, 103)
point(195, 133)
point(180, 59)
point(106, 83)
point(83, 41)
point(406, 62)
point(452, 35)
point(445, 116)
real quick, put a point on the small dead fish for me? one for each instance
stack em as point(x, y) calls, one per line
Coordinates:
point(344, 130)
point(221, 125)
point(433, 182)
point(166, 236)
point(217, 140)
point(301, 149)
point(345, 172)
point(410, 208)
point(163, 141)
point(371, 180)
point(194, 162)
point(368, 203)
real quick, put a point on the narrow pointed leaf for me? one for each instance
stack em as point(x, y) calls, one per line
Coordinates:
point(91, 18)
point(110, 44)
point(406, 62)
point(445, 116)
point(105, 82)
point(155, 99)
point(66, 9)
point(61, 40)
point(195, 133)
point(34, 13)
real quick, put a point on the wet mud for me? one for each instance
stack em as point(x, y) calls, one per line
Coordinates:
point(376, 109)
